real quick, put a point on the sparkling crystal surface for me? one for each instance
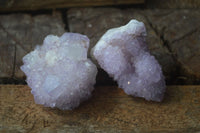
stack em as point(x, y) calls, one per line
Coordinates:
point(122, 52)
point(59, 72)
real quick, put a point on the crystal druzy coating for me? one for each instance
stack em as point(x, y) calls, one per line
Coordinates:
point(122, 52)
point(59, 72)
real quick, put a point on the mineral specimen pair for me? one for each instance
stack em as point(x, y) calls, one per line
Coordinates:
point(61, 75)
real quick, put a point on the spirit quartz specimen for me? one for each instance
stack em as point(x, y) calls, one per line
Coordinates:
point(122, 52)
point(59, 72)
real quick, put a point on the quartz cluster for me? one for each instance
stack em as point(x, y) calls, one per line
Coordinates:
point(59, 72)
point(61, 75)
point(122, 52)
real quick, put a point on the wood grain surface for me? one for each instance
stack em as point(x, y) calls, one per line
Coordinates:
point(17, 5)
point(173, 4)
point(108, 110)
point(14, 5)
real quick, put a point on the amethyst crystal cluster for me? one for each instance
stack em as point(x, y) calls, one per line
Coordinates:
point(122, 52)
point(59, 72)
point(61, 75)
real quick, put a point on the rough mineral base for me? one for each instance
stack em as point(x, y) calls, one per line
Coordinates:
point(122, 52)
point(59, 72)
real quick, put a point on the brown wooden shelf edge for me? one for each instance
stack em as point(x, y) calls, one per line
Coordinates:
point(108, 110)
point(16, 5)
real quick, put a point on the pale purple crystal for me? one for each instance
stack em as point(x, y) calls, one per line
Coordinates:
point(59, 72)
point(122, 52)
